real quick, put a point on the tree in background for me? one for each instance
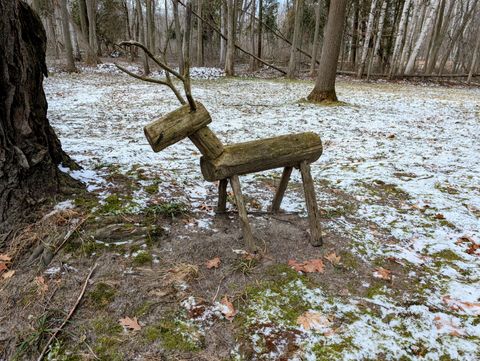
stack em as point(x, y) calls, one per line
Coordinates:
point(324, 90)
point(30, 151)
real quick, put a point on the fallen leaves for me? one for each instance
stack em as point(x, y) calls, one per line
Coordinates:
point(446, 324)
point(8, 274)
point(382, 273)
point(333, 258)
point(4, 261)
point(130, 323)
point(228, 310)
point(313, 320)
point(42, 286)
point(213, 263)
point(466, 306)
point(313, 265)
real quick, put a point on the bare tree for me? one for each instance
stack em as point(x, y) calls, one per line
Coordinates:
point(200, 60)
point(324, 90)
point(366, 40)
point(92, 58)
point(313, 63)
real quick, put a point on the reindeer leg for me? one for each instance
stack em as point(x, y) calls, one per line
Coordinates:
point(242, 212)
point(222, 196)
point(277, 200)
point(312, 208)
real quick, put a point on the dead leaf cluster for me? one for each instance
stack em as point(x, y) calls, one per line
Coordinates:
point(383, 273)
point(313, 265)
point(5, 261)
point(130, 323)
point(228, 310)
point(313, 320)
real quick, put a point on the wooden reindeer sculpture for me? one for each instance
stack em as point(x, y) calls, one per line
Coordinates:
point(225, 163)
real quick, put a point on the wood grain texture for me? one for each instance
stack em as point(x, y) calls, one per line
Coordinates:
point(242, 213)
point(259, 155)
point(222, 196)
point(312, 208)
point(207, 143)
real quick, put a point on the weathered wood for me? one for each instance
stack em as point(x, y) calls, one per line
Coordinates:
point(222, 196)
point(277, 200)
point(242, 213)
point(207, 142)
point(255, 156)
point(312, 208)
point(175, 126)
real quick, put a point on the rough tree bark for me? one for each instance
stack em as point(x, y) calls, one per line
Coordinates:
point(30, 152)
point(324, 90)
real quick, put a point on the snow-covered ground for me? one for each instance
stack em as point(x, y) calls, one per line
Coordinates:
point(422, 141)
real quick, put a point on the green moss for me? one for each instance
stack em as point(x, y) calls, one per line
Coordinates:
point(376, 288)
point(447, 255)
point(105, 326)
point(340, 210)
point(142, 258)
point(175, 334)
point(152, 188)
point(171, 209)
point(446, 188)
point(102, 295)
point(348, 260)
point(107, 349)
point(113, 205)
point(327, 352)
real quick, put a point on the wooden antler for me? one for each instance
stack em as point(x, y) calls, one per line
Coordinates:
point(184, 78)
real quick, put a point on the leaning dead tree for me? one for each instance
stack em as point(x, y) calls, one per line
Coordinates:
point(225, 163)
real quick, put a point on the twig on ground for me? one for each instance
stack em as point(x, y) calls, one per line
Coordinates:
point(69, 234)
point(79, 298)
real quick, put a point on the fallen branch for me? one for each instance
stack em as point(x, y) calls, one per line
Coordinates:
point(214, 28)
point(69, 234)
point(57, 331)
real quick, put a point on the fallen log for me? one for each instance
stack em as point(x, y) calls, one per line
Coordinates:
point(259, 155)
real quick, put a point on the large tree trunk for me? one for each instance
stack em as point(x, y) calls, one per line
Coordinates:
point(30, 152)
point(324, 89)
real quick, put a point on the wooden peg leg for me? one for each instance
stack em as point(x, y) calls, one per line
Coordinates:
point(222, 196)
point(242, 212)
point(311, 202)
point(277, 200)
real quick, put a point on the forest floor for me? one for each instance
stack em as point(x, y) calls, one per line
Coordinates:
point(397, 278)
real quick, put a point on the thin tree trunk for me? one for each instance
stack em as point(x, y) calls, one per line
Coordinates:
point(366, 41)
point(293, 63)
point(92, 58)
point(178, 36)
point(260, 29)
point(474, 59)
point(223, 42)
point(324, 89)
point(354, 43)
point(82, 12)
point(378, 40)
point(427, 27)
point(67, 38)
point(313, 63)
point(229, 61)
point(141, 28)
point(399, 37)
point(253, 62)
point(200, 61)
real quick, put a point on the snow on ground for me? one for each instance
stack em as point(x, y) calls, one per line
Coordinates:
point(418, 142)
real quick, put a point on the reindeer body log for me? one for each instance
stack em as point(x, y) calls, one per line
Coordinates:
point(263, 154)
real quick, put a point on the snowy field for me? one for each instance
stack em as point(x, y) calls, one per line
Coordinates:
point(407, 154)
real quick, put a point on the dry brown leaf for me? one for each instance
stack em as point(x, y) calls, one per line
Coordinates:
point(439, 216)
point(333, 258)
point(130, 323)
point(5, 258)
point(382, 273)
point(8, 274)
point(313, 265)
point(473, 307)
point(213, 263)
point(313, 320)
point(228, 311)
point(42, 285)
point(3, 266)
